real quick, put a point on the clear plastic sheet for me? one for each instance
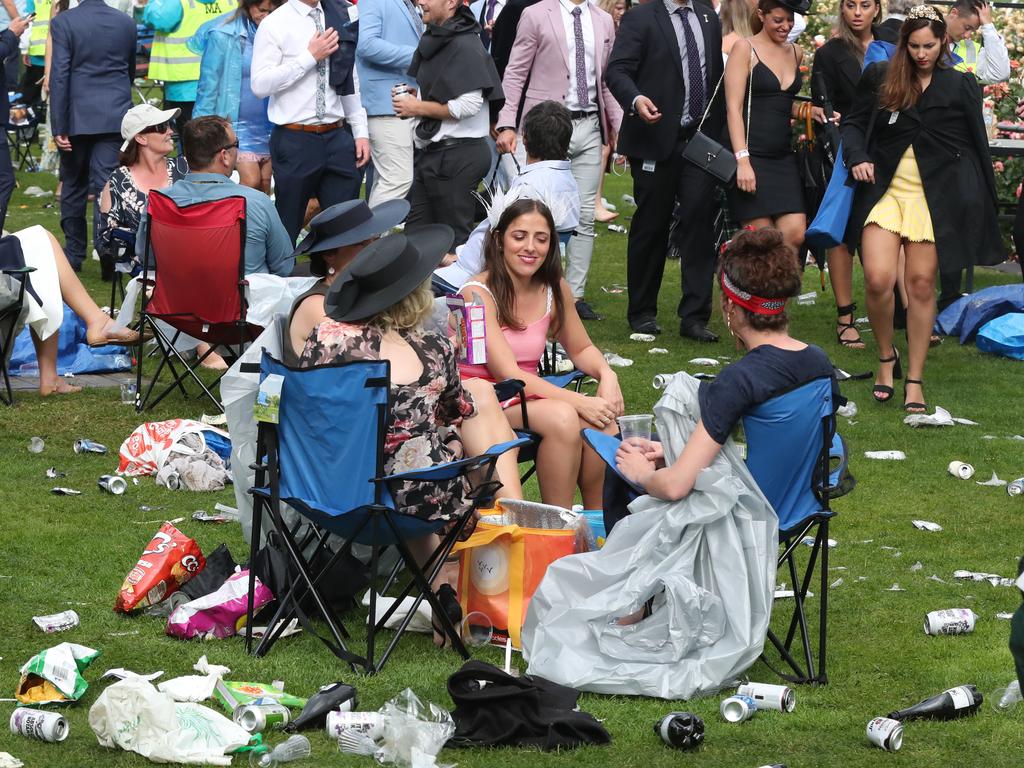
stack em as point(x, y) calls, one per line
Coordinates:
point(708, 561)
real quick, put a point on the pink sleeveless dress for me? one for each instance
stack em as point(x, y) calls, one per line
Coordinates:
point(527, 345)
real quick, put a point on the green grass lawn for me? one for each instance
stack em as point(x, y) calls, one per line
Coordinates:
point(73, 552)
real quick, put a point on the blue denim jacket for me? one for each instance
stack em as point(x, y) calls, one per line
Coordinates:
point(220, 43)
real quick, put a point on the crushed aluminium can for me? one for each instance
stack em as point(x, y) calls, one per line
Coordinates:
point(262, 714)
point(736, 709)
point(961, 469)
point(89, 446)
point(369, 724)
point(780, 698)
point(886, 733)
point(57, 622)
point(1015, 487)
point(39, 724)
point(112, 484)
point(951, 621)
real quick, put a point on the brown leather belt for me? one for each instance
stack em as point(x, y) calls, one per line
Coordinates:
point(318, 128)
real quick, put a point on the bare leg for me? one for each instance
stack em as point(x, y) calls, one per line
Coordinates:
point(421, 550)
point(919, 277)
point(760, 223)
point(266, 171)
point(249, 174)
point(792, 227)
point(601, 213)
point(46, 355)
point(840, 273)
point(592, 471)
point(487, 427)
point(213, 361)
point(880, 251)
point(99, 326)
point(558, 457)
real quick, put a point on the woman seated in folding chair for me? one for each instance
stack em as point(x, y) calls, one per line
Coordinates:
point(527, 301)
point(758, 272)
point(50, 286)
point(376, 309)
point(144, 164)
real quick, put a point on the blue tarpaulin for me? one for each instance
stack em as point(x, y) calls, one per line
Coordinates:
point(966, 315)
point(73, 353)
point(1003, 336)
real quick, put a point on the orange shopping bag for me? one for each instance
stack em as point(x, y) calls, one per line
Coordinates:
point(501, 567)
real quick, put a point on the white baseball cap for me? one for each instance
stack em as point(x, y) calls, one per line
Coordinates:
point(143, 116)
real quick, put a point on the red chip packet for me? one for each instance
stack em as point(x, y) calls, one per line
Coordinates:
point(169, 560)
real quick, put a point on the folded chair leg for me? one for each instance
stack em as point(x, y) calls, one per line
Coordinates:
point(823, 610)
point(799, 620)
point(254, 548)
point(371, 625)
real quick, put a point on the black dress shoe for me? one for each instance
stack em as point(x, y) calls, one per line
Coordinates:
point(646, 325)
point(698, 332)
point(586, 312)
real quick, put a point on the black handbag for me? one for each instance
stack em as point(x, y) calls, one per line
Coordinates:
point(709, 155)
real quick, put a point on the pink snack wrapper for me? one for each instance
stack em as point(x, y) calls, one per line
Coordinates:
point(217, 614)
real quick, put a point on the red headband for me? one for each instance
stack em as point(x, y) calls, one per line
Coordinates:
point(755, 304)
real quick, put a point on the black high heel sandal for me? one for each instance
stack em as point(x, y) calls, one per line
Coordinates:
point(450, 602)
point(897, 373)
point(857, 343)
point(914, 407)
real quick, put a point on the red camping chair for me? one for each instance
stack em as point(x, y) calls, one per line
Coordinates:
point(199, 290)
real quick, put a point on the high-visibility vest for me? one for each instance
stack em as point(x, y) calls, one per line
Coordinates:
point(171, 60)
point(967, 51)
point(40, 28)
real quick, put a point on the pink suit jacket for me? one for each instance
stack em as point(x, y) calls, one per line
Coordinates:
point(540, 55)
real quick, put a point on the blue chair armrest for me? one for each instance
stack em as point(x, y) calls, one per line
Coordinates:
point(605, 446)
point(453, 469)
point(126, 236)
point(563, 380)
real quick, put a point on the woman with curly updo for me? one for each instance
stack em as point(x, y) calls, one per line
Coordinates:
point(758, 273)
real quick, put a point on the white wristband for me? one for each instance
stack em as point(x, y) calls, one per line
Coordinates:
point(742, 153)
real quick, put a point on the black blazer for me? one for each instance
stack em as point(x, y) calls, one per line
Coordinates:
point(645, 61)
point(93, 69)
point(950, 144)
point(838, 71)
point(889, 31)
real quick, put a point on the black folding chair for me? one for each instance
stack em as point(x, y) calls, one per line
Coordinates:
point(8, 322)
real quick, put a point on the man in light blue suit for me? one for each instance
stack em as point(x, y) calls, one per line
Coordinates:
point(389, 31)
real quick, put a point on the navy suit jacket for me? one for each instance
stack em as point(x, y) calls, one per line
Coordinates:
point(93, 69)
point(8, 47)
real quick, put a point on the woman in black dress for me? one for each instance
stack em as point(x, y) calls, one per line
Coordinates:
point(768, 190)
point(837, 67)
point(916, 142)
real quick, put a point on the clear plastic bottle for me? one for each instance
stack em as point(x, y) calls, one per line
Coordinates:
point(293, 748)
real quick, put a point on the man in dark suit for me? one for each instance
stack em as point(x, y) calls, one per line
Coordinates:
point(8, 47)
point(664, 66)
point(91, 77)
point(896, 13)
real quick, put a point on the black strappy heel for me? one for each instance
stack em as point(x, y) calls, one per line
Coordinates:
point(849, 309)
point(897, 373)
point(914, 407)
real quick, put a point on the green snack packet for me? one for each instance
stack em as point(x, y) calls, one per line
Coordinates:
point(54, 675)
point(231, 694)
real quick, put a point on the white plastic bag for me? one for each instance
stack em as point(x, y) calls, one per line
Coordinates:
point(135, 716)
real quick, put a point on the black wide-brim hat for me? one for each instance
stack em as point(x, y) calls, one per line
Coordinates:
point(348, 223)
point(802, 7)
point(386, 271)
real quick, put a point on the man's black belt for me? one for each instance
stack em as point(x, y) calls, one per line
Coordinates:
point(579, 114)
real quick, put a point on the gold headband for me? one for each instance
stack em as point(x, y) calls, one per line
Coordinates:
point(924, 12)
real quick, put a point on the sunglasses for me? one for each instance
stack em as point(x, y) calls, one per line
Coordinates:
point(232, 145)
point(159, 128)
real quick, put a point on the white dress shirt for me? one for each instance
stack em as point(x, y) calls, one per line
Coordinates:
point(469, 120)
point(586, 22)
point(993, 65)
point(285, 70)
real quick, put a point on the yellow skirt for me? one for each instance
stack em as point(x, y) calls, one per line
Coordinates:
point(903, 209)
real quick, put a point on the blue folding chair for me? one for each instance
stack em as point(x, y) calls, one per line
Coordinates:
point(792, 446)
point(325, 459)
point(800, 464)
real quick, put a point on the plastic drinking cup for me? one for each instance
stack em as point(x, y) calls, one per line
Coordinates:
point(636, 429)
